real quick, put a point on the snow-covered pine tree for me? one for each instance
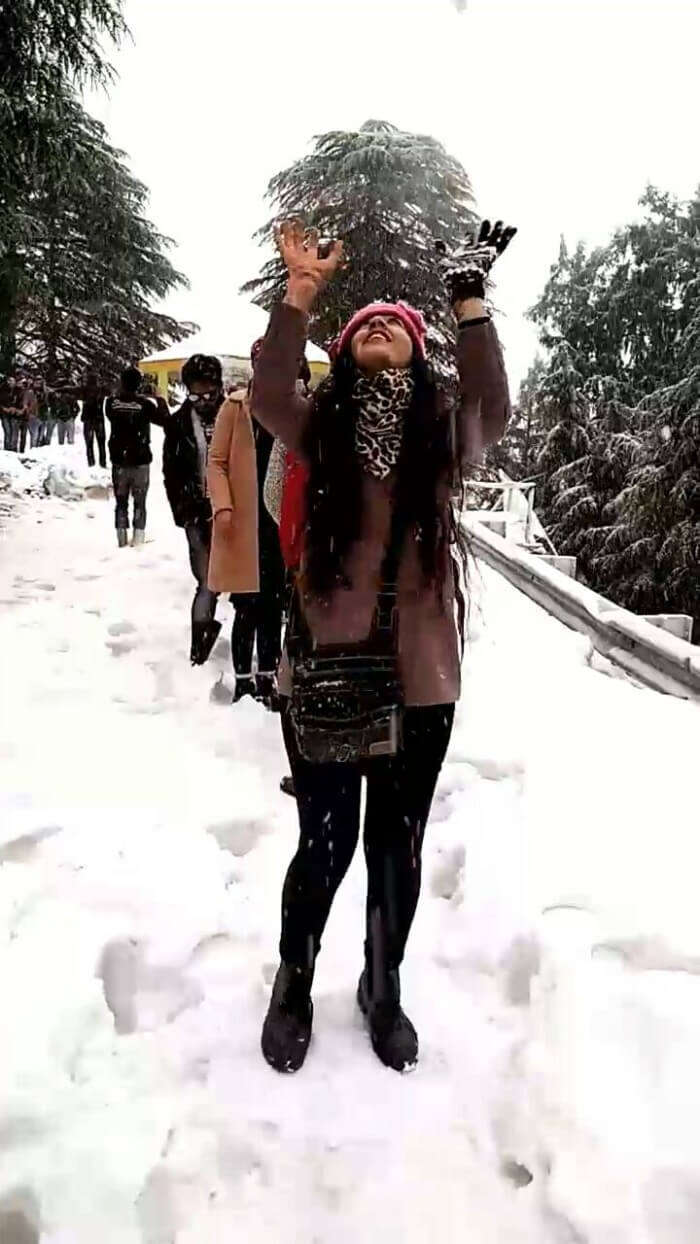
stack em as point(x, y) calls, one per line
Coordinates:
point(588, 486)
point(94, 262)
point(652, 553)
point(518, 452)
point(388, 194)
point(564, 413)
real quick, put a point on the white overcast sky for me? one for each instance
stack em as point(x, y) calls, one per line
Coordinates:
point(560, 110)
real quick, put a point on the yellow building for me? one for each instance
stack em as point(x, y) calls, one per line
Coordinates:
point(231, 345)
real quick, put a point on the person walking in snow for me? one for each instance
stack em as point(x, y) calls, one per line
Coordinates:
point(130, 414)
point(188, 435)
point(257, 624)
point(371, 671)
point(10, 405)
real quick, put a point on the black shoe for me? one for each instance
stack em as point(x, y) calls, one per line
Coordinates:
point(204, 636)
point(266, 692)
point(287, 786)
point(394, 1039)
point(245, 685)
point(287, 1029)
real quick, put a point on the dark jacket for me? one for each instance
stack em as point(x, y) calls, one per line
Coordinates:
point(130, 422)
point(428, 643)
point(181, 470)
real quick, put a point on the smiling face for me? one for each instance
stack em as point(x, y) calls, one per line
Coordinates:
point(381, 343)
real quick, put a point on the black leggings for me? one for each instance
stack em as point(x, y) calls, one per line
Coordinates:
point(258, 616)
point(399, 794)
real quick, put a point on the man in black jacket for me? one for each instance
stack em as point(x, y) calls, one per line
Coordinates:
point(188, 434)
point(130, 414)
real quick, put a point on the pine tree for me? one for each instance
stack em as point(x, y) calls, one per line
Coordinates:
point(92, 261)
point(588, 487)
point(626, 317)
point(564, 414)
point(79, 261)
point(652, 553)
point(519, 450)
point(388, 194)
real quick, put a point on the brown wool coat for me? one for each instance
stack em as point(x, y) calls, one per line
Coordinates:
point(232, 482)
point(428, 642)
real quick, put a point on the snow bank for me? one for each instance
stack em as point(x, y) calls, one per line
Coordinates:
point(552, 970)
point(54, 471)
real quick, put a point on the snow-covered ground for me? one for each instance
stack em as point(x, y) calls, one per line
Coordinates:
point(553, 972)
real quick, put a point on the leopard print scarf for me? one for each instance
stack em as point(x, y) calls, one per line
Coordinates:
point(382, 402)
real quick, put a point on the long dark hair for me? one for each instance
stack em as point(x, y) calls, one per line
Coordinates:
point(425, 477)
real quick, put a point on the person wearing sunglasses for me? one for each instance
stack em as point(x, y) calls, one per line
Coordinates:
point(188, 434)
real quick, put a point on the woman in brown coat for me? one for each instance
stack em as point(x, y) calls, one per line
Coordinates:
point(385, 453)
point(232, 485)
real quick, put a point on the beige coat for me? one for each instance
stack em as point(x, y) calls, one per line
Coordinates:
point(232, 482)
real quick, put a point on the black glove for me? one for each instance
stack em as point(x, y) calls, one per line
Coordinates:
point(465, 268)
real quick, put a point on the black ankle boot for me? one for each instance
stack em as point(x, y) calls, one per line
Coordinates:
point(394, 1039)
point(266, 691)
point(245, 685)
point(287, 1029)
point(204, 636)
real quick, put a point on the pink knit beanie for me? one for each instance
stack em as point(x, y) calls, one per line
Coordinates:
point(411, 319)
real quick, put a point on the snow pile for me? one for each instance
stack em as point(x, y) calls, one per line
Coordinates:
point(56, 470)
point(22, 473)
point(552, 970)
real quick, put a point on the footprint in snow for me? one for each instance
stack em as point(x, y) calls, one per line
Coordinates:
point(516, 1173)
point(121, 628)
point(19, 850)
point(492, 769)
point(237, 836)
point(140, 995)
point(121, 644)
point(446, 881)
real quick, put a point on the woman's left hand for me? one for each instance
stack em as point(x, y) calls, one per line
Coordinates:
point(465, 268)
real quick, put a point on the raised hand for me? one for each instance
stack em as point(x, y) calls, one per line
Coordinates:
point(309, 269)
point(465, 268)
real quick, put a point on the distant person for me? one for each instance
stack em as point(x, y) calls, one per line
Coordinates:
point(92, 394)
point(130, 413)
point(93, 399)
point(30, 415)
point(64, 411)
point(9, 412)
point(46, 420)
point(188, 435)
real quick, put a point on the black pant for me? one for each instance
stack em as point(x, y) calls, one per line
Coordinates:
point(258, 617)
point(130, 482)
point(199, 542)
point(399, 794)
point(94, 429)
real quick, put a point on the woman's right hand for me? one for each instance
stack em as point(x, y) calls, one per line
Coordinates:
point(308, 271)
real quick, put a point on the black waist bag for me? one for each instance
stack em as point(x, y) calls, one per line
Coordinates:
point(347, 700)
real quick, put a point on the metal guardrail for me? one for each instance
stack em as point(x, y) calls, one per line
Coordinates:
point(649, 655)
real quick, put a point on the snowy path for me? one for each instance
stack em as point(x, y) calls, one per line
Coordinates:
point(552, 972)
